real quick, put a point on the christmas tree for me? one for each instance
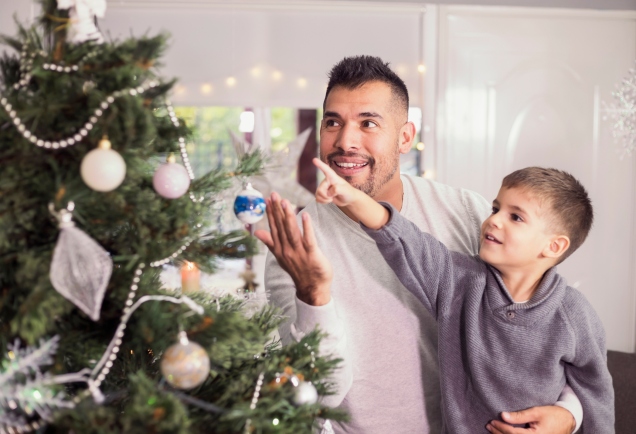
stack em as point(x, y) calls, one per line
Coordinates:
point(91, 342)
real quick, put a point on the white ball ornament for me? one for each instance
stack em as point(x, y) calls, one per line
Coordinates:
point(103, 169)
point(171, 180)
point(305, 393)
point(185, 364)
point(249, 205)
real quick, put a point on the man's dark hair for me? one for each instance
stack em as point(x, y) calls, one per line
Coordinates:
point(353, 72)
point(567, 201)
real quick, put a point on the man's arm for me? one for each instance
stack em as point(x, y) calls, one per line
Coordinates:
point(298, 280)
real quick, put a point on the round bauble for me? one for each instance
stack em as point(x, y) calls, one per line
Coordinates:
point(103, 169)
point(171, 180)
point(305, 393)
point(185, 364)
point(249, 205)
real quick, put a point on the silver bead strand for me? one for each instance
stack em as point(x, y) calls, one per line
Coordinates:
point(257, 393)
point(183, 151)
point(83, 131)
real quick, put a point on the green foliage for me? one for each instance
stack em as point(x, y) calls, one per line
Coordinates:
point(135, 226)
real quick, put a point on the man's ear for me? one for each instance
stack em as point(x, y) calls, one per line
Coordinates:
point(558, 245)
point(407, 135)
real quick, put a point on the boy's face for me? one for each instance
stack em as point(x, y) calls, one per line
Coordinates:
point(516, 235)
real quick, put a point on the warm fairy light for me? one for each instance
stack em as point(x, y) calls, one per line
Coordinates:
point(230, 81)
point(429, 174)
point(189, 265)
point(420, 146)
point(37, 394)
point(206, 88)
point(256, 72)
point(11, 355)
point(301, 82)
point(277, 75)
point(421, 68)
point(275, 421)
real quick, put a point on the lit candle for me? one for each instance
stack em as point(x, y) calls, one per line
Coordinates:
point(190, 277)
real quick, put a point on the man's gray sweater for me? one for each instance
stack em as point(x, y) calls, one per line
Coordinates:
point(495, 354)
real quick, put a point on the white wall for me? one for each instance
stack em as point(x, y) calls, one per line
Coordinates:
point(212, 41)
point(520, 87)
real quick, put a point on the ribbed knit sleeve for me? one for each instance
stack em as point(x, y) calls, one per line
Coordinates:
point(424, 265)
point(587, 372)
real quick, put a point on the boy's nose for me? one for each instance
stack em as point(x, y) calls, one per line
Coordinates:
point(494, 221)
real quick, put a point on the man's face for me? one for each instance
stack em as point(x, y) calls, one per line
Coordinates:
point(361, 136)
point(517, 232)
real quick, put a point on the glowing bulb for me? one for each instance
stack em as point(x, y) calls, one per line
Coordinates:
point(276, 132)
point(275, 421)
point(180, 89)
point(256, 72)
point(429, 174)
point(421, 68)
point(230, 81)
point(277, 75)
point(206, 88)
point(301, 82)
point(420, 146)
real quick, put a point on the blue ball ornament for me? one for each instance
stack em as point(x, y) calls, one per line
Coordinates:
point(249, 205)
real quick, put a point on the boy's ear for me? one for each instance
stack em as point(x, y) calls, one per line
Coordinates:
point(559, 244)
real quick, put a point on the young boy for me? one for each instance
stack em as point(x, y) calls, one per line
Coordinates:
point(511, 332)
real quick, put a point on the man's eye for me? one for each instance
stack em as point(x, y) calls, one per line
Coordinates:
point(331, 123)
point(369, 124)
point(495, 210)
point(516, 218)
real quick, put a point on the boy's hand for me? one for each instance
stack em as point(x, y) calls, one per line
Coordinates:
point(333, 188)
point(298, 254)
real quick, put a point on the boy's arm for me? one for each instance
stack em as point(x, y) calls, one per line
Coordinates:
point(423, 264)
point(355, 203)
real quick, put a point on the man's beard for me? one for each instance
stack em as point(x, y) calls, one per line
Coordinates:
point(379, 174)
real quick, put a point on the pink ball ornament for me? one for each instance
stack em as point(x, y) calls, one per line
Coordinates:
point(171, 180)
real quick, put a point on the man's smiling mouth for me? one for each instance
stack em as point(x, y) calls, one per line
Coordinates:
point(349, 165)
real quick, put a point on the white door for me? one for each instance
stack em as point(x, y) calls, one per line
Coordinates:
point(518, 87)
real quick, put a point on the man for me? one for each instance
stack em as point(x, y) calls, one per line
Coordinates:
point(389, 379)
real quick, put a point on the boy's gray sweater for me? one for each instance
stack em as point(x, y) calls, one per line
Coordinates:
point(495, 354)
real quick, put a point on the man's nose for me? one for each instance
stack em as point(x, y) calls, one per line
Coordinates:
point(348, 138)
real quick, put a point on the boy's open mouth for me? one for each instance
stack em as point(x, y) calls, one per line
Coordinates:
point(489, 237)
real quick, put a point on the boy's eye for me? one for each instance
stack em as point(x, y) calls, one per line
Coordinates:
point(369, 124)
point(495, 210)
point(516, 218)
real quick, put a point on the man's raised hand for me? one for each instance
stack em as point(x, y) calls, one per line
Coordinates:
point(298, 254)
